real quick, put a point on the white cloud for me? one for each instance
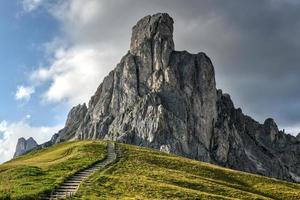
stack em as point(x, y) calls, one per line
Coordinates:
point(77, 12)
point(74, 74)
point(11, 132)
point(24, 93)
point(30, 5)
point(293, 130)
point(78, 61)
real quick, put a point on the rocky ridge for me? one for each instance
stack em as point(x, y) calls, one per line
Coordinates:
point(23, 146)
point(166, 99)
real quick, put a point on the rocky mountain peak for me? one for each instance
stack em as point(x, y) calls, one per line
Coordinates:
point(21, 140)
point(271, 128)
point(166, 99)
point(270, 123)
point(30, 139)
point(152, 45)
point(152, 34)
point(23, 146)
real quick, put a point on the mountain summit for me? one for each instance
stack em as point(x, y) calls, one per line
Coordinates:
point(165, 99)
point(23, 146)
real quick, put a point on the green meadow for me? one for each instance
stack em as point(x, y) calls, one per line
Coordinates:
point(38, 172)
point(138, 173)
point(143, 173)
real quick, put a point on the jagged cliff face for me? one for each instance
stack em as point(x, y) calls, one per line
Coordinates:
point(23, 146)
point(155, 97)
point(161, 98)
point(239, 142)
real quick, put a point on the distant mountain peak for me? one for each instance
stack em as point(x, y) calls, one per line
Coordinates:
point(23, 146)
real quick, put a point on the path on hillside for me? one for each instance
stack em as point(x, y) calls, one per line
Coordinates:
point(71, 185)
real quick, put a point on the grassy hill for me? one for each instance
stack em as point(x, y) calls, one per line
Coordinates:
point(139, 173)
point(38, 172)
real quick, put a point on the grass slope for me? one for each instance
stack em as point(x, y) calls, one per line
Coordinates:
point(147, 174)
point(38, 172)
point(140, 173)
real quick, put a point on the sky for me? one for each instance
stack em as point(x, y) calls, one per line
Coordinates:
point(54, 54)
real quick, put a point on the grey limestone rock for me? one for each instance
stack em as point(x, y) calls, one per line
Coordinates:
point(23, 146)
point(75, 117)
point(298, 136)
point(165, 99)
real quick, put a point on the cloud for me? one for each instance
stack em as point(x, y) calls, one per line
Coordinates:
point(12, 131)
point(24, 93)
point(294, 129)
point(74, 74)
point(254, 46)
point(30, 5)
point(77, 12)
point(77, 64)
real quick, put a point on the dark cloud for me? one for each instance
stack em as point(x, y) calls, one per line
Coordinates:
point(254, 45)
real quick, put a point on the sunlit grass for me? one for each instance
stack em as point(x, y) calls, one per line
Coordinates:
point(147, 174)
point(38, 172)
point(140, 173)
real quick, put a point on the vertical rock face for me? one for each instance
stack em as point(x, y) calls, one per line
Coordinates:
point(166, 99)
point(75, 117)
point(239, 142)
point(152, 45)
point(23, 146)
point(155, 97)
point(298, 137)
